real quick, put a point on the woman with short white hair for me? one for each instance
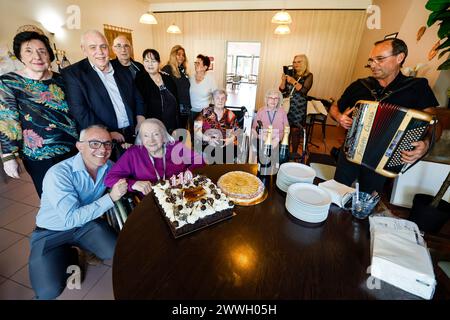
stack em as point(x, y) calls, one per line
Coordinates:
point(272, 114)
point(156, 156)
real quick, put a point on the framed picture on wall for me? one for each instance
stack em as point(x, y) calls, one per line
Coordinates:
point(211, 65)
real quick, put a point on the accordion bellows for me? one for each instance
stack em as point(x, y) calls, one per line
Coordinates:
point(380, 131)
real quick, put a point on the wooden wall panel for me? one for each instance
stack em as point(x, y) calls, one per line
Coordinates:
point(330, 39)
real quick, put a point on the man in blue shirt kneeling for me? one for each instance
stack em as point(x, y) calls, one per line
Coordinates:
point(73, 201)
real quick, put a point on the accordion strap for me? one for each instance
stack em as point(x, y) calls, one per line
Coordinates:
point(370, 84)
point(432, 141)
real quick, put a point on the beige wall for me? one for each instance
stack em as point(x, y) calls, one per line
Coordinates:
point(329, 38)
point(336, 42)
point(93, 15)
point(406, 17)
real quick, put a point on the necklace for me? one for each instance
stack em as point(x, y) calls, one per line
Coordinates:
point(164, 164)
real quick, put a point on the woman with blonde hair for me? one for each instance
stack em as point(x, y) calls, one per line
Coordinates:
point(176, 68)
point(297, 85)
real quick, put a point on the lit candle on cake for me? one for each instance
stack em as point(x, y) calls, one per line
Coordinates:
point(181, 179)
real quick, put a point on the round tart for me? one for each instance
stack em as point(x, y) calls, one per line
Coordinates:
point(241, 187)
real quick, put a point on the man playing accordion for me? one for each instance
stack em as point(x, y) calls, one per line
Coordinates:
point(387, 84)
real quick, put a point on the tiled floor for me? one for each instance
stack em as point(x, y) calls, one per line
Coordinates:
point(18, 207)
point(19, 204)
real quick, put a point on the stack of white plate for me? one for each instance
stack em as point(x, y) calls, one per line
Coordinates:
point(308, 202)
point(293, 172)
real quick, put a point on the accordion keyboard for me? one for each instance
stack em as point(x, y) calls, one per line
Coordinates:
point(405, 144)
point(380, 132)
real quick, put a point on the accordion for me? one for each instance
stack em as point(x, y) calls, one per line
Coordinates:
point(380, 131)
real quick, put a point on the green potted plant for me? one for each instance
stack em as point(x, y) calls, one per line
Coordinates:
point(431, 213)
point(440, 14)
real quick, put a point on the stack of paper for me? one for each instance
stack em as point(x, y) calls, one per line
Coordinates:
point(340, 193)
point(400, 256)
point(316, 107)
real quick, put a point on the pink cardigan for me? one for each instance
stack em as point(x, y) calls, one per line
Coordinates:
point(135, 164)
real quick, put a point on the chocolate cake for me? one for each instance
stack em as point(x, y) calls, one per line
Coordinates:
point(193, 205)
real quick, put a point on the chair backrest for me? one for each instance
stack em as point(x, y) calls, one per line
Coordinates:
point(239, 113)
point(326, 102)
point(237, 79)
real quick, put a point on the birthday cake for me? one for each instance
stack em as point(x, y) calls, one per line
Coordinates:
point(241, 187)
point(191, 204)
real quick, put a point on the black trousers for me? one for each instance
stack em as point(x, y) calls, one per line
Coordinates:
point(38, 168)
point(347, 172)
point(185, 114)
point(128, 133)
point(130, 137)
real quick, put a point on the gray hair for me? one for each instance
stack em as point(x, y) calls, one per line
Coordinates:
point(93, 126)
point(167, 138)
point(216, 92)
point(274, 92)
point(83, 36)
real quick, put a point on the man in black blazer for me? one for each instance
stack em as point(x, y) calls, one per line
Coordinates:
point(122, 49)
point(103, 92)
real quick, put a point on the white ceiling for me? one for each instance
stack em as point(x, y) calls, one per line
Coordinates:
point(208, 5)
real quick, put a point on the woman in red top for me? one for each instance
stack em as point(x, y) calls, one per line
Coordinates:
point(216, 128)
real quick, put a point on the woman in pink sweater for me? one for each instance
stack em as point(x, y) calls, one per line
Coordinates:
point(156, 156)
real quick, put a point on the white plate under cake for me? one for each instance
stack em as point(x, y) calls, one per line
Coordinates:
point(242, 187)
point(192, 206)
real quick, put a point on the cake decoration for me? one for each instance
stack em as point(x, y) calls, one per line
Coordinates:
point(191, 205)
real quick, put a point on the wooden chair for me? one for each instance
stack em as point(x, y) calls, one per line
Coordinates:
point(319, 118)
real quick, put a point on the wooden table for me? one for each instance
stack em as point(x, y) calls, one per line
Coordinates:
point(260, 253)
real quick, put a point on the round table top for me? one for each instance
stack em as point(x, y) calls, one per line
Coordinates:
point(260, 253)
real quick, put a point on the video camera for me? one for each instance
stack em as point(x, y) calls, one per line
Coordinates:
point(288, 70)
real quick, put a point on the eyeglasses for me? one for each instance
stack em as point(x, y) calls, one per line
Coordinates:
point(119, 46)
point(378, 60)
point(95, 144)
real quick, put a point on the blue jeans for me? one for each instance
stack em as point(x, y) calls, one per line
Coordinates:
point(51, 254)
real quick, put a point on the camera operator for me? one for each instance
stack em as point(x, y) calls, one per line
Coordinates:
point(296, 85)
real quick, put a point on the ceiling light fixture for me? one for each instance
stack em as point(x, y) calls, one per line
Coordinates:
point(282, 29)
point(282, 17)
point(173, 28)
point(148, 18)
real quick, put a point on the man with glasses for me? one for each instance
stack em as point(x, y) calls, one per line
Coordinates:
point(389, 85)
point(73, 201)
point(122, 49)
point(103, 92)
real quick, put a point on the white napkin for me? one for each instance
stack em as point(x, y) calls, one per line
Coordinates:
point(400, 256)
point(340, 193)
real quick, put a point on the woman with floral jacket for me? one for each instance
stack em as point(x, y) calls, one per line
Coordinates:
point(35, 123)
